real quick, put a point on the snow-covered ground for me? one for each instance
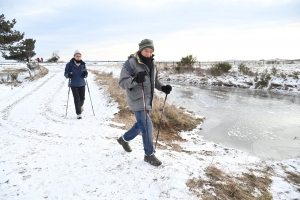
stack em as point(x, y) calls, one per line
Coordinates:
point(45, 154)
point(284, 80)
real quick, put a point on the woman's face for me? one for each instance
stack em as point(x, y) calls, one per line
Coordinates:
point(147, 52)
point(77, 56)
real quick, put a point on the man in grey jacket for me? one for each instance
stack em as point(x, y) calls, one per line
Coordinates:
point(139, 78)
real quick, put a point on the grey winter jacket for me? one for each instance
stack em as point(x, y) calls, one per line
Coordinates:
point(134, 92)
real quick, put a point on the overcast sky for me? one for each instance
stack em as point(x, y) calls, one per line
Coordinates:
point(111, 30)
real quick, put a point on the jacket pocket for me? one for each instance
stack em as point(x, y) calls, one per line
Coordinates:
point(135, 93)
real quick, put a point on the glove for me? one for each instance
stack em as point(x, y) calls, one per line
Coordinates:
point(84, 74)
point(166, 89)
point(70, 75)
point(140, 77)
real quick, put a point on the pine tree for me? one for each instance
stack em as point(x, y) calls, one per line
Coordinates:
point(22, 52)
point(8, 36)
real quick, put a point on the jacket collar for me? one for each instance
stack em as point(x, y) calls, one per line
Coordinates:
point(136, 56)
point(81, 62)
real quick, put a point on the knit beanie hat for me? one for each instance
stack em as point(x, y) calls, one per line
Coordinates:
point(77, 52)
point(146, 43)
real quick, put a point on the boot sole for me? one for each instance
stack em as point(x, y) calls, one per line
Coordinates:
point(152, 163)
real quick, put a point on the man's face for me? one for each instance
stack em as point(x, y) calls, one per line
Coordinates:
point(147, 52)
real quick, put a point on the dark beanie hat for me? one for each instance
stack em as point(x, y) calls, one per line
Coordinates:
point(146, 43)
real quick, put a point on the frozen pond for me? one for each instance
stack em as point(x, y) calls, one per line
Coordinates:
point(265, 124)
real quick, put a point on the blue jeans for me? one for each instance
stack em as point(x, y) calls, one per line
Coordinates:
point(140, 126)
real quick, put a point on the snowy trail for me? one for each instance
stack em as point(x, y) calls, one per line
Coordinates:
point(45, 154)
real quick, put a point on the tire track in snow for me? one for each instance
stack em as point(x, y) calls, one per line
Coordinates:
point(6, 111)
point(48, 108)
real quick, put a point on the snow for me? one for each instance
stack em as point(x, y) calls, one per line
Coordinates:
point(236, 79)
point(46, 154)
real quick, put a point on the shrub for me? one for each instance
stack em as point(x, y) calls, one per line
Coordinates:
point(272, 62)
point(14, 77)
point(214, 71)
point(177, 69)
point(241, 67)
point(274, 71)
point(187, 62)
point(247, 71)
point(223, 66)
point(54, 57)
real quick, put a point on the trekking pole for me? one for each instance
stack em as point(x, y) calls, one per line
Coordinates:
point(90, 95)
point(145, 113)
point(68, 95)
point(163, 111)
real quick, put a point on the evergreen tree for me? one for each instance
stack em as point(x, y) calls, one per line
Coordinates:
point(8, 36)
point(22, 52)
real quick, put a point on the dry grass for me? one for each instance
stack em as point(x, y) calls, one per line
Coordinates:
point(224, 186)
point(43, 71)
point(293, 177)
point(175, 119)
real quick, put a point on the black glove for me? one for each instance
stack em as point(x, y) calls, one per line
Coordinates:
point(166, 89)
point(84, 74)
point(70, 75)
point(140, 77)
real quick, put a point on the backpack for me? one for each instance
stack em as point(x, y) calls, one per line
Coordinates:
point(128, 68)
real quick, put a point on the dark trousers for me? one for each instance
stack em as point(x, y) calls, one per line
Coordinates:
point(79, 96)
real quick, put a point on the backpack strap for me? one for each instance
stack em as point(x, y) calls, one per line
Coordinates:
point(128, 68)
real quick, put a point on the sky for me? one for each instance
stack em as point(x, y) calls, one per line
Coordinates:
point(211, 30)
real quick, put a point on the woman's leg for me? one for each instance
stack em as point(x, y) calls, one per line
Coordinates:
point(81, 92)
point(76, 100)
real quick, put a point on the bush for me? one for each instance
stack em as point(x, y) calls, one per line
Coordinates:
point(274, 71)
point(272, 62)
point(187, 62)
point(223, 66)
point(52, 59)
point(14, 77)
point(214, 71)
point(241, 67)
point(177, 69)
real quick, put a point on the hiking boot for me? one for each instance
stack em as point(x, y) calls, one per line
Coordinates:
point(79, 116)
point(124, 144)
point(152, 160)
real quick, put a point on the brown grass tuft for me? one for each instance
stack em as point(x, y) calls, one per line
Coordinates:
point(293, 177)
point(43, 71)
point(224, 186)
point(175, 119)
